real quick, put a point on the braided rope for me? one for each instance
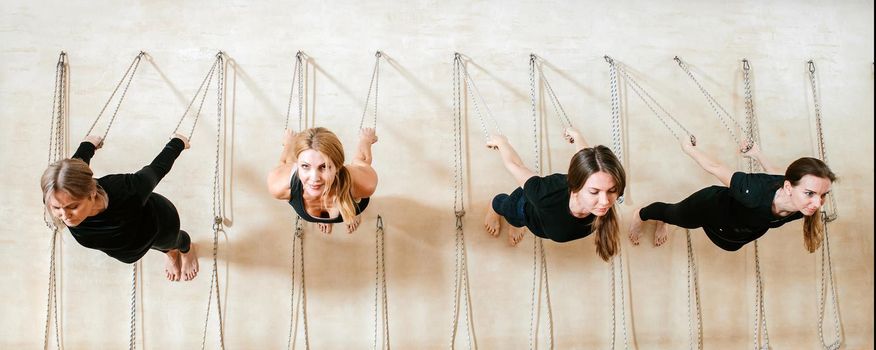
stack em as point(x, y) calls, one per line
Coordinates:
point(131, 70)
point(693, 283)
point(132, 339)
point(297, 76)
point(827, 216)
point(650, 102)
point(375, 81)
point(380, 281)
point(472, 89)
point(719, 110)
point(205, 86)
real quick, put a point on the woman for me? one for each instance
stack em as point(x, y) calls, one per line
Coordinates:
point(747, 205)
point(119, 214)
point(312, 177)
point(562, 207)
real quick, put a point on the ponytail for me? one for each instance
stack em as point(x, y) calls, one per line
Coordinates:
point(606, 229)
point(813, 231)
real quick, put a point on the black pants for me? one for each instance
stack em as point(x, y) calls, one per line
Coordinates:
point(169, 235)
point(511, 207)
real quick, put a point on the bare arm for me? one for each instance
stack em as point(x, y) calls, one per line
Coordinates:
point(510, 159)
point(278, 178)
point(720, 171)
point(573, 136)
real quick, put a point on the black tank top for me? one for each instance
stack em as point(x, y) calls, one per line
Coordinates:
point(296, 200)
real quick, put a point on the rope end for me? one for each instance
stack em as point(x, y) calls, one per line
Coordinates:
point(745, 64)
point(378, 54)
point(608, 59)
point(811, 66)
point(379, 222)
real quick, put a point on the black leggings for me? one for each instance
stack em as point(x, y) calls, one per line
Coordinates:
point(169, 235)
point(693, 212)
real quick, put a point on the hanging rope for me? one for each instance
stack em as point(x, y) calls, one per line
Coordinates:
point(205, 86)
point(827, 216)
point(57, 151)
point(461, 292)
point(297, 75)
point(382, 307)
point(129, 76)
point(375, 81)
point(761, 336)
point(132, 338)
point(693, 283)
point(616, 141)
point(719, 110)
point(535, 63)
point(298, 241)
point(822, 154)
point(461, 73)
point(665, 118)
point(539, 260)
point(218, 196)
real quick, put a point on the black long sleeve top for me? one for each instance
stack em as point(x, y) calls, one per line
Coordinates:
point(126, 229)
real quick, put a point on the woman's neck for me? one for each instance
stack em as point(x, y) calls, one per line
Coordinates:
point(782, 205)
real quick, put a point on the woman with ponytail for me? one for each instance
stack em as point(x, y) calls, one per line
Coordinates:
point(747, 205)
point(313, 178)
point(562, 207)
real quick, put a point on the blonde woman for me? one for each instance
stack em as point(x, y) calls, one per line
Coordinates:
point(119, 214)
point(312, 177)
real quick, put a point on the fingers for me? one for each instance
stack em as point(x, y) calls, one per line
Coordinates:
point(184, 139)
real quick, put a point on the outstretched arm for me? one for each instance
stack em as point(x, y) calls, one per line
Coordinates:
point(278, 178)
point(721, 171)
point(754, 152)
point(510, 159)
point(151, 175)
point(573, 136)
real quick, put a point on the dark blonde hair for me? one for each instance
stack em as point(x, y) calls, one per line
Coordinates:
point(585, 163)
point(72, 176)
point(326, 142)
point(813, 225)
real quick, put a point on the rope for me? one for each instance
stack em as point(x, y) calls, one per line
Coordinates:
point(459, 68)
point(380, 285)
point(761, 336)
point(129, 75)
point(719, 110)
point(297, 75)
point(693, 283)
point(558, 107)
point(375, 81)
point(218, 62)
point(132, 342)
point(218, 199)
point(827, 216)
point(539, 262)
point(460, 279)
point(298, 240)
point(57, 151)
point(649, 101)
point(619, 261)
point(831, 209)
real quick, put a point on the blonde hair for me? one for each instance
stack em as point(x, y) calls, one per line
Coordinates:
point(326, 142)
point(585, 163)
point(72, 176)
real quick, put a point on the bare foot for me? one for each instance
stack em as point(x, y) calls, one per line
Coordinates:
point(515, 235)
point(661, 233)
point(354, 225)
point(172, 265)
point(636, 227)
point(190, 263)
point(492, 222)
point(325, 228)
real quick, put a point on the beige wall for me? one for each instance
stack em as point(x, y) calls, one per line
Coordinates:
point(414, 160)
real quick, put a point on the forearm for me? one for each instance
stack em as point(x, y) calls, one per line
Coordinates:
point(163, 162)
point(512, 162)
point(85, 152)
point(711, 165)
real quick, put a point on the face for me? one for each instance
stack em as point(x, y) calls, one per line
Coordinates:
point(598, 194)
point(72, 211)
point(316, 172)
point(809, 194)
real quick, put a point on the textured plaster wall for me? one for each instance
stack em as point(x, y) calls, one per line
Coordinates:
point(414, 159)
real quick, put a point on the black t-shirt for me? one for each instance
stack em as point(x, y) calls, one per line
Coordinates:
point(547, 210)
point(126, 229)
point(296, 200)
point(745, 210)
